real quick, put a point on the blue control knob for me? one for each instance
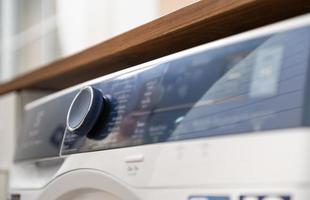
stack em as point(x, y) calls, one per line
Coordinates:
point(85, 110)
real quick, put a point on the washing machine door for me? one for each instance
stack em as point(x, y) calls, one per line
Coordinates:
point(87, 185)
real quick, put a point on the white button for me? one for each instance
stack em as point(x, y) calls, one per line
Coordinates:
point(250, 198)
point(273, 198)
point(198, 198)
point(134, 158)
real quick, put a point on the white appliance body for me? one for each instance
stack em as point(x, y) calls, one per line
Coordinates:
point(272, 164)
point(9, 106)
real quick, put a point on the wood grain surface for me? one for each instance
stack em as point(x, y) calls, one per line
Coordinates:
point(201, 22)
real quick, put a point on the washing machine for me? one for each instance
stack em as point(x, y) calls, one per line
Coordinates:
point(228, 120)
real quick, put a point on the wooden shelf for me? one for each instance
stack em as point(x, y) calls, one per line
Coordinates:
point(196, 24)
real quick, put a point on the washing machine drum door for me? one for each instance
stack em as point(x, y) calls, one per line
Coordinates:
point(87, 185)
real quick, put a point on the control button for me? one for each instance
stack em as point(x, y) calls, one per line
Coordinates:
point(85, 110)
point(249, 198)
point(198, 198)
point(134, 158)
point(264, 197)
point(208, 198)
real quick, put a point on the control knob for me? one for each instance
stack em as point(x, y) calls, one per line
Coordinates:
point(85, 110)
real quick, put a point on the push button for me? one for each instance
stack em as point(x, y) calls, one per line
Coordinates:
point(265, 197)
point(208, 198)
point(249, 198)
point(134, 158)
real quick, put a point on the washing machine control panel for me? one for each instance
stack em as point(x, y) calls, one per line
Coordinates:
point(250, 86)
point(243, 87)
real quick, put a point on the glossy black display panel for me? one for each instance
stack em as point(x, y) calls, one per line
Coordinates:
point(251, 86)
point(42, 131)
point(246, 87)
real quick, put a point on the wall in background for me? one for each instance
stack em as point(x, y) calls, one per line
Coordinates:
point(168, 6)
point(96, 20)
point(34, 33)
